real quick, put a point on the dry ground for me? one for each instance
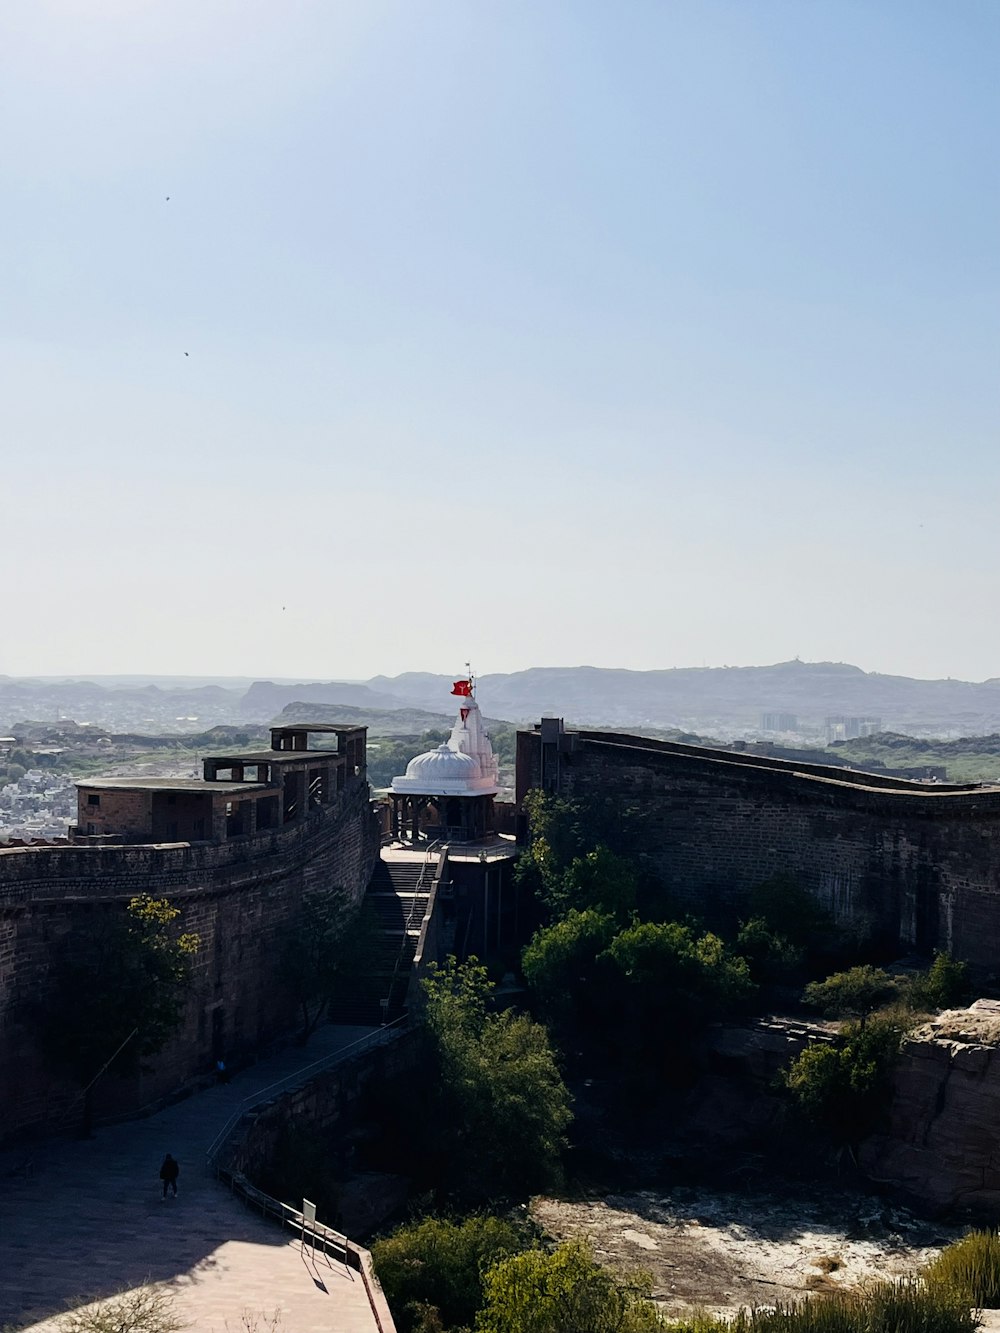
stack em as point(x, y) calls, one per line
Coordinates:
point(719, 1251)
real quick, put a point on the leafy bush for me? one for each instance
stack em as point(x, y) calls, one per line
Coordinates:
point(845, 1089)
point(855, 993)
point(970, 1269)
point(432, 1271)
point(556, 838)
point(600, 880)
point(945, 985)
point(771, 957)
point(564, 1291)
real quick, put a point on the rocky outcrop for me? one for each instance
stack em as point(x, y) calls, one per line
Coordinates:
point(942, 1144)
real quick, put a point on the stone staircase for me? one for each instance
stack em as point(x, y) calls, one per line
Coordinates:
point(393, 897)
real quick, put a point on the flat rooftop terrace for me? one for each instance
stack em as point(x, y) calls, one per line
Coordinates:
point(272, 757)
point(169, 784)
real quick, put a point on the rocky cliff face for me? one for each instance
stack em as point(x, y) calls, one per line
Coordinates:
point(943, 1140)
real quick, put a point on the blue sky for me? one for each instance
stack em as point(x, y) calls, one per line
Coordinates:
point(646, 334)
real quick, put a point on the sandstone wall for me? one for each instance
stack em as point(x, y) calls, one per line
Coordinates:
point(238, 896)
point(917, 865)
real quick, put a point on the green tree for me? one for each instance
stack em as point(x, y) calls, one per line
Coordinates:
point(944, 985)
point(118, 995)
point(599, 880)
point(561, 968)
point(672, 982)
point(328, 941)
point(845, 1089)
point(502, 1107)
point(855, 993)
point(772, 957)
point(556, 837)
point(435, 1268)
point(564, 1291)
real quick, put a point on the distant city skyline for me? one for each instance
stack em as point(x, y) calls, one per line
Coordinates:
point(348, 339)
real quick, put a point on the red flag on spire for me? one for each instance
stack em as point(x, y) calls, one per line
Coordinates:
point(463, 688)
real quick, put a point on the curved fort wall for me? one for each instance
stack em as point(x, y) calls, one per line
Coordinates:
point(919, 865)
point(238, 895)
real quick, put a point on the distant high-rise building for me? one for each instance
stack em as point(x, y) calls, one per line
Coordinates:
point(851, 728)
point(779, 722)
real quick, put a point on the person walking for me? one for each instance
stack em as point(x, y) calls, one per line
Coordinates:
point(169, 1172)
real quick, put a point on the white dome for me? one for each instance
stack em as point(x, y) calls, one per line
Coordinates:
point(464, 765)
point(442, 763)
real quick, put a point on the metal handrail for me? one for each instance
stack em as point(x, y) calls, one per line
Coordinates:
point(329, 1239)
point(283, 1212)
point(262, 1095)
point(408, 923)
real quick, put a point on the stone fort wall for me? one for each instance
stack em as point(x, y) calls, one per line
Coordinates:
point(238, 896)
point(918, 865)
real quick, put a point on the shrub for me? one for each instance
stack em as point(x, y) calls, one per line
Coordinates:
point(881, 1307)
point(145, 1309)
point(855, 993)
point(845, 1089)
point(944, 985)
point(564, 1291)
point(970, 1269)
point(432, 1271)
point(601, 881)
point(678, 976)
point(772, 957)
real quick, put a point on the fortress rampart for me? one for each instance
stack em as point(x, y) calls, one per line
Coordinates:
point(238, 895)
point(918, 865)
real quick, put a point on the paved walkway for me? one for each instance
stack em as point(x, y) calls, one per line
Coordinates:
point(89, 1221)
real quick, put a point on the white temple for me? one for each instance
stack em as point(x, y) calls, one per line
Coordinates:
point(456, 782)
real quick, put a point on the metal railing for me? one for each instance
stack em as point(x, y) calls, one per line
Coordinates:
point(380, 1037)
point(318, 1235)
point(408, 923)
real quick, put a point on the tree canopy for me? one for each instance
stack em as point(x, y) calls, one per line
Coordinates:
point(328, 940)
point(502, 1107)
point(561, 968)
point(119, 990)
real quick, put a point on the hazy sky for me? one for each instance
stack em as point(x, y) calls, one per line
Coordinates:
point(541, 333)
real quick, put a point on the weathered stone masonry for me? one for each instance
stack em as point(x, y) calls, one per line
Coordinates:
point(238, 895)
point(918, 864)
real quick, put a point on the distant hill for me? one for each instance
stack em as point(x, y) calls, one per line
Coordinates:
point(733, 697)
point(724, 700)
point(379, 721)
point(264, 699)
